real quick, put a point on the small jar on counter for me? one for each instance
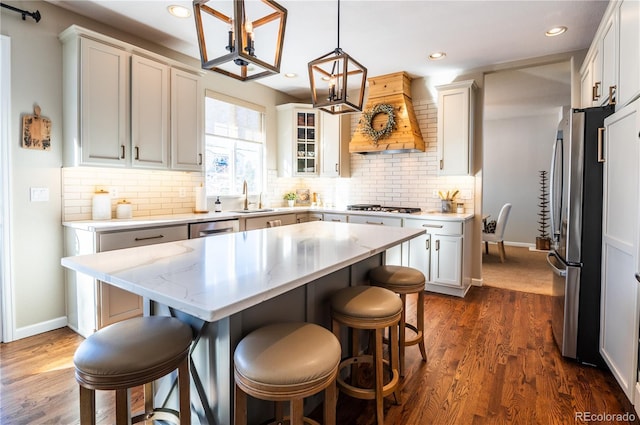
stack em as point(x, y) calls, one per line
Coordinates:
point(124, 210)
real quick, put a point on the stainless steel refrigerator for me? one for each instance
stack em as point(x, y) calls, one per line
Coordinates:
point(576, 227)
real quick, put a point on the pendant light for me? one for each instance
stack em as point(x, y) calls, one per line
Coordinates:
point(240, 39)
point(337, 81)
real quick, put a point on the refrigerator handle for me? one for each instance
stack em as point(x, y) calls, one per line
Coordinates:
point(557, 271)
point(600, 140)
point(553, 187)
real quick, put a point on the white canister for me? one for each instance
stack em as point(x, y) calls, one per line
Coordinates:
point(123, 209)
point(101, 206)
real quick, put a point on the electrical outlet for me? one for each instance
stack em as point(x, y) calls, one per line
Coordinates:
point(182, 192)
point(113, 191)
point(435, 194)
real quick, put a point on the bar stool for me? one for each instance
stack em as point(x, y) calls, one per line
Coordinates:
point(404, 280)
point(287, 362)
point(370, 308)
point(131, 353)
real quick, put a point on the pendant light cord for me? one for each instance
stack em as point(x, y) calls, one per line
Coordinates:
point(338, 25)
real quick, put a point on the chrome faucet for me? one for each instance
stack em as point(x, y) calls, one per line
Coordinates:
point(245, 192)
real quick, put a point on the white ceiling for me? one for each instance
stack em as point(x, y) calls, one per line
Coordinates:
point(384, 35)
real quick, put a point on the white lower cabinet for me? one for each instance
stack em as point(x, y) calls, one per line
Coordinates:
point(92, 304)
point(620, 297)
point(253, 223)
point(393, 255)
point(443, 254)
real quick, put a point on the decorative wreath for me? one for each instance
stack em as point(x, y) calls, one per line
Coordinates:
point(367, 119)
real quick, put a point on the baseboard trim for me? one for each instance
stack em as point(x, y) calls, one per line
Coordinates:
point(476, 282)
point(38, 328)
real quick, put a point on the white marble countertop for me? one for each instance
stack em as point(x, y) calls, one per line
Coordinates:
point(177, 219)
point(217, 276)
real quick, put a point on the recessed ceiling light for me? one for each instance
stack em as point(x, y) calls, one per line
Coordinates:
point(555, 31)
point(291, 75)
point(437, 55)
point(179, 11)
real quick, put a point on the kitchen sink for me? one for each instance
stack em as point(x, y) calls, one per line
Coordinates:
point(253, 211)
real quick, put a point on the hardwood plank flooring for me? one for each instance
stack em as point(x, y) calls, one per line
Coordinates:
point(491, 360)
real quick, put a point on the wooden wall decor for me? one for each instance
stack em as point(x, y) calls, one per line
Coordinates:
point(36, 131)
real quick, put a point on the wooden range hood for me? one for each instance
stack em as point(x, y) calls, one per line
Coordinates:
point(395, 90)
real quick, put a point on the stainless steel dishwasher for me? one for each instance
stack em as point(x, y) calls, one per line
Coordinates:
point(211, 228)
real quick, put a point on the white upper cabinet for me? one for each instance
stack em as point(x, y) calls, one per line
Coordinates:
point(127, 107)
point(335, 134)
point(149, 113)
point(611, 70)
point(187, 126)
point(298, 140)
point(455, 127)
point(96, 126)
point(629, 60)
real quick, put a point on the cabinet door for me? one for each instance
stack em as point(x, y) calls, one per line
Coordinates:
point(149, 113)
point(629, 52)
point(116, 304)
point(187, 129)
point(621, 216)
point(586, 86)
point(607, 92)
point(446, 260)
point(420, 254)
point(455, 128)
point(104, 99)
point(335, 136)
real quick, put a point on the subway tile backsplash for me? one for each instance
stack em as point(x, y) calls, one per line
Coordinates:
point(407, 179)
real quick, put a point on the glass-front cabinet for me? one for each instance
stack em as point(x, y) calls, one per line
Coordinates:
point(306, 142)
point(298, 140)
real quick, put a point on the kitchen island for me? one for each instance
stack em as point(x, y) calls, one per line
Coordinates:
point(226, 286)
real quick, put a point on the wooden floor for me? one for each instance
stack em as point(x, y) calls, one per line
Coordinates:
point(492, 360)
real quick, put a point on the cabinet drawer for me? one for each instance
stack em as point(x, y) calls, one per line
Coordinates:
point(119, 240)
point(261, 222)
point(373, 219)
point(335, 217)
point(435, 226)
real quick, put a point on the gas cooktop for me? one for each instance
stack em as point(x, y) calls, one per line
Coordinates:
point(375, 207)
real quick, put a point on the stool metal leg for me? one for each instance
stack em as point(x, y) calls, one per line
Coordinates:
point(87, 406)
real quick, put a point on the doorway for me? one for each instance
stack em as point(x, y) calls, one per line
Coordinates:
point(522, 109)
point(6, 322)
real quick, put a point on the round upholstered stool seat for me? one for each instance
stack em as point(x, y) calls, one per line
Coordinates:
point(369, 308)
point(132, 353)
point(403, 281)
point(287, 362)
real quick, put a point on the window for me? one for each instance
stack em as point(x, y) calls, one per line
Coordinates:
point(234, 145)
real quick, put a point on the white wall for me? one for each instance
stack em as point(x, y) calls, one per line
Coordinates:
point(516, 149)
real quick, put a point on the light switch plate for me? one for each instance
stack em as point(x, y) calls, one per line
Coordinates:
point(39, 194)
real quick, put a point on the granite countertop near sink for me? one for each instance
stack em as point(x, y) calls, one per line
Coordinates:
point(177, 219)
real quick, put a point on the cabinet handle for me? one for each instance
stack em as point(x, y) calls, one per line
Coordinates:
point(441, 164)
point(337, 168)
point(373, 222)
point(638, 277)
point(437, 244)
point(137, 149)
point(199, 159)
point(433, 226)
point(122, 152)
point(336, 220)
point(148, 238)
point(595, 90)
point(428, 244)
point(612, 90)
point(600, 137)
